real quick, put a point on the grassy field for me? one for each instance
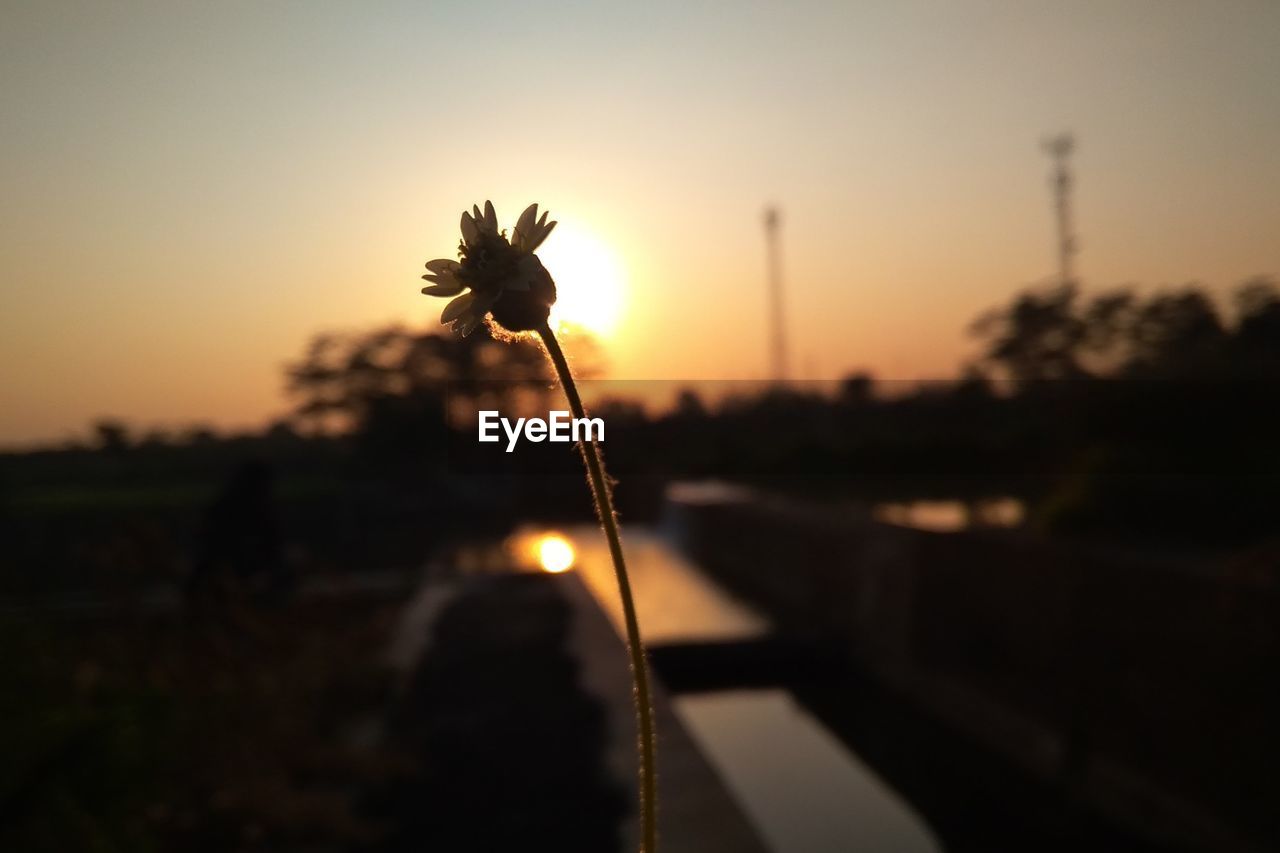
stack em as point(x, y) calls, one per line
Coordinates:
point(235, 728)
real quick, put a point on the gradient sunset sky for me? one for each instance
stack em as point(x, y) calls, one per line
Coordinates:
point(192, 190)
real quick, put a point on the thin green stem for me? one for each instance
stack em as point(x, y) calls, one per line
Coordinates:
point(639, 668)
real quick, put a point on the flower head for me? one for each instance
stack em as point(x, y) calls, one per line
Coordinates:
point(502, 277)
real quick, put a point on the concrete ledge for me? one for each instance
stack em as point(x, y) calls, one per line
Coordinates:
point(696, 813)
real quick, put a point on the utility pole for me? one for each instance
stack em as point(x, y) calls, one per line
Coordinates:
point(1059, 148)
point(777, 324)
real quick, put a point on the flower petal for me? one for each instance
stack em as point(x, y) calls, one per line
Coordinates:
point(541, 230)
point(524, 225)
point(470, 232)
point(441, 265)
point(468, 325)
point(457, 308)
point(490, 217)
point(452, 288)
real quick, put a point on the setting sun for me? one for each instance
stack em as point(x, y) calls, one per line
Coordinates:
point(589, 279)
point(555, 554)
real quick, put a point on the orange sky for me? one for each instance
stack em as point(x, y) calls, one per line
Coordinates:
point(191, 192)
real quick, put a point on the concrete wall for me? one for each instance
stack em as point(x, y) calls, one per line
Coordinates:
point(1151, 692)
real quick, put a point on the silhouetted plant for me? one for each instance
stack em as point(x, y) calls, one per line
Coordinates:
point(502, 281)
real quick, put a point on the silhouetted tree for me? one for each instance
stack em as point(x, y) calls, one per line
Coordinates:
point(857, 389)
point(1256, 343)
point(1180, 445)
point(689, 405)
point(358, 378)
point(112, 435)
point(1175, 334)
point(1054, 334)
point(1037, 337)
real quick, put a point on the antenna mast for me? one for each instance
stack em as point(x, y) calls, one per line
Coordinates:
point(1059, 148)
point(777, 325)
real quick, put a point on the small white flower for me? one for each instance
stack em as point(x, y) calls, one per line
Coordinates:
point(501, 277)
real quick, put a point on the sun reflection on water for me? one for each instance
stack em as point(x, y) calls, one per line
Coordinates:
point(555, 554)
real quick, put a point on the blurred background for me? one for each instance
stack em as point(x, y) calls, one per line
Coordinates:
point(937, 345)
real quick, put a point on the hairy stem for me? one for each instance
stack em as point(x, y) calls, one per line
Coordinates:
point(639, 668)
